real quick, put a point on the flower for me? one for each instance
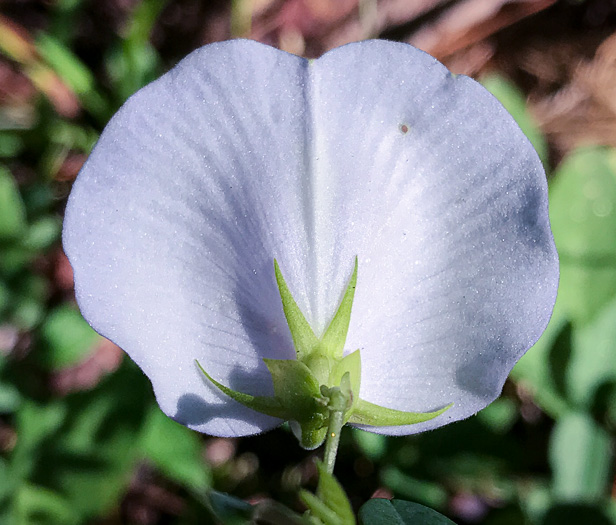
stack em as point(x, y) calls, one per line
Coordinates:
point(242, 155)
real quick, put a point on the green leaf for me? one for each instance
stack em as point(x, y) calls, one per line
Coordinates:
point(583, 218)
point(273, 513)
point(12, 210)
point(135, 62)
point(90, 459)
point(399, 512)
point(11, 144)
point(14, 258)
point(428, 493)
point(500, 415)
point(580, 456)
point(578, 513)
point(515, 103)
point(570, 367)
point(535, 371)
point(331, 504)
point(367, 413)
point(335, 336)
point(333, 495)
point(8, 484)
point(374, 446)
point(175, 450)
point(35, 424)
point(592, 362)
point(71, 70)
point(66, 338)
point(62, 60)
point(34, 505)
point(42, 233)
point(304, 340)
point(229, 509)
point(27, 313)
point(10, 397)
point(318, 509)
point(5, 302)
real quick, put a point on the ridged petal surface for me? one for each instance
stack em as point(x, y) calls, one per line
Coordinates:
point(242, 154)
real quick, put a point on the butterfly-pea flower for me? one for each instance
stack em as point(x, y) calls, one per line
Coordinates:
point(256, 230)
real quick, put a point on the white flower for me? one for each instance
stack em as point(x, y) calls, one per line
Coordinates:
point(243, 154)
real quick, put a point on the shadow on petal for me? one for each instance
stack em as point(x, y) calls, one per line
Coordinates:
point(261, 315)
point(193, 410)
point(481, 376)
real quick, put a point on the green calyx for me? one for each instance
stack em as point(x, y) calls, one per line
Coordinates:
point(321, 383)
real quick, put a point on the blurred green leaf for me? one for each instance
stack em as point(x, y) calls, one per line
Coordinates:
point(500, 415)
point(135, 62)
point(39, 198)
point(331, 504)
point(10, 397)
point(593, 360)
point(7, 483)
point(270, 512)
point(35, 423)
point(175, 450)
point(37, 505)
point(229, 509)
point(91, 457)
point(72, 71)
point(535, 500)
point(514, 101)
point(42, 233)
point(583, 217)
point(576, 515)
point(372, 445)
point(11, 144)
point(570, 367)
point(398, 512)
point(535, 371)
point(5, 298)
point(27, 312)
point(13, 259)
point(62, 60)
point(428, 492)
point(581, 459)
point(574, 355)
point(12, 210)
point(66, 338)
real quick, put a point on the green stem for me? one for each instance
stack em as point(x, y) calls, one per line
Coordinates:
point(337, 407)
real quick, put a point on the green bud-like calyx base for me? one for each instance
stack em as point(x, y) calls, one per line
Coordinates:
point(321, 383)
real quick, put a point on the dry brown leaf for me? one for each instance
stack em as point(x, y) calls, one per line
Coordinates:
point(584, 111)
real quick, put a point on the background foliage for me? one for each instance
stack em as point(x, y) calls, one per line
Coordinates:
point(81, 439)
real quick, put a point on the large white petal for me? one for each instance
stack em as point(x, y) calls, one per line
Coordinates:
point(242, 154)
point(172, 226)
point(430, 182)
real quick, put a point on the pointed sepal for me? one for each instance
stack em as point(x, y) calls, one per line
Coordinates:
point(366, 413)
point(304, 340)
point(266, 405)
point(335, 336)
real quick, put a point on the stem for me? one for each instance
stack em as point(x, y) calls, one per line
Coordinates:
point(337, 407)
